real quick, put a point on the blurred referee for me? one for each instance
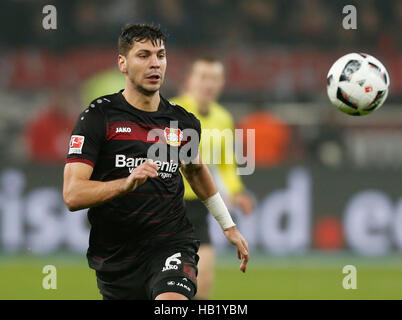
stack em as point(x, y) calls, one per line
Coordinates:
point(203, 87)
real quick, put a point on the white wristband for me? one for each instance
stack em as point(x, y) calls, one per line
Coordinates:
point(218, 209)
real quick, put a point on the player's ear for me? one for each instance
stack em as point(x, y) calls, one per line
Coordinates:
point(122, 62)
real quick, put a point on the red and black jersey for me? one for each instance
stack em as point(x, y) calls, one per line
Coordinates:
point(114, 137)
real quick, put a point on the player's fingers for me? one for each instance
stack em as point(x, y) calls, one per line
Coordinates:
point(241, 245)
point(150, 172)
point(135, 175)
point(147, 166)
point(243, 265)
point(244, 261)
point(153, 170)
point(243, 249)
point(151, 164)
point(245, 246)
point(139, 173)
point(245, 257)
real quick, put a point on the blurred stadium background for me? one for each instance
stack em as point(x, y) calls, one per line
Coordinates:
point(328, 186)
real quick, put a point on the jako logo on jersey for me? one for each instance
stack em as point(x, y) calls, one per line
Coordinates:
point(76, 144)
point(123, 130)
point(173, 258)
point(173, 136)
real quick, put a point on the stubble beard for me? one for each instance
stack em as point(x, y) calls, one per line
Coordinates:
point(144, 91)
point(138, 87)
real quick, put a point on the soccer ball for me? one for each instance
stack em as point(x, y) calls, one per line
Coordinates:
point(357, 84)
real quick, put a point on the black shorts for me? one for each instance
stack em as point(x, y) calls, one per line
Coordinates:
point(164, 271)
point(197, 213)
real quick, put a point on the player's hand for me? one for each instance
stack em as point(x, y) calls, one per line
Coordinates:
point(140, 174)
point(235, 237)
point(244, 201)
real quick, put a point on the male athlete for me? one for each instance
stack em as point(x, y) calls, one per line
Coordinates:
point(202, 89)
point(141, 244)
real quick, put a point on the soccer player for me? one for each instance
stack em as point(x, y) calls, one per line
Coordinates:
point(141, 243)
point(203, 87)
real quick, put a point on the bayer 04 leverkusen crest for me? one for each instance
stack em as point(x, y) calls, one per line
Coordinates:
point(173, 136)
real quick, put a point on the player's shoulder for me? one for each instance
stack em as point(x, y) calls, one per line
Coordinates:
point(95, 113)
point(104, 101)
point(100, 105)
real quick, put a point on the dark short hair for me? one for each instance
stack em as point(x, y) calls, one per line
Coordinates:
point(139, 32)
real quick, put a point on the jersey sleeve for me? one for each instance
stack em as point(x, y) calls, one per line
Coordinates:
point(87, 137)
point(191, 138)
point(197, 127)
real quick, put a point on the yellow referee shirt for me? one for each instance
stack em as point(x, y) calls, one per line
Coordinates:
point(217, 118)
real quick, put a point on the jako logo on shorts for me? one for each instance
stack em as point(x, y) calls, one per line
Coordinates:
point(173, 258)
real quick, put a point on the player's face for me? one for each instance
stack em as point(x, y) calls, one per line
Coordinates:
point(145, 66)
point(206, 80)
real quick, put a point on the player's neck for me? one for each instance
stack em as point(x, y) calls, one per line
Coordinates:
point(202, 106)
point(149, 103)
point(203, 109)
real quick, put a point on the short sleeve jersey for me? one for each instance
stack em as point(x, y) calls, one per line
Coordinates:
point(114, 138)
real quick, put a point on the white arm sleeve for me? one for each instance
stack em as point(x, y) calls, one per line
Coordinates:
point(218, 209)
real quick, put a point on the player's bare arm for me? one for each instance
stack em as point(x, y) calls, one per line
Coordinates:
point(79, 192)
point(202, 183)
